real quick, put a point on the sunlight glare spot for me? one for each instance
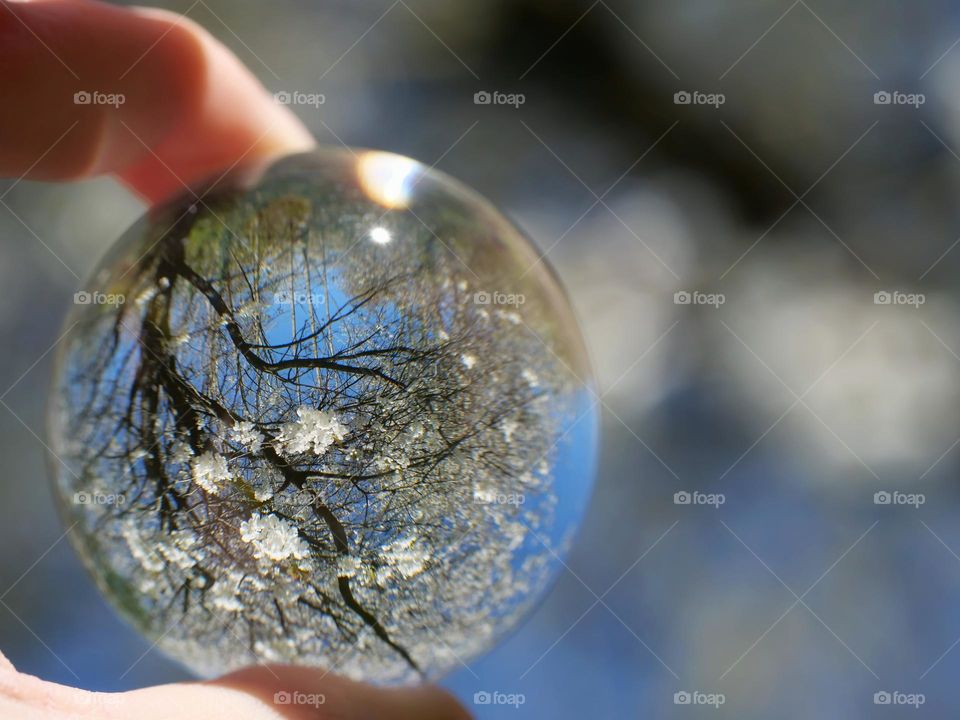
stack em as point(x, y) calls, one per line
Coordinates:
point(388, 179)
point(380, 235)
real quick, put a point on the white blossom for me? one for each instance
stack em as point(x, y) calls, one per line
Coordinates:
point(272, 537)
point(262, 493)
point(468, 361)
point(210, 471)
point(407, 560)
point(140, 549)
point(146, 295)
point(246, 434)
point(396, 462)
point(315, 431)
point(509, 427)
point(178, 551)
point(181, 452)
point(223, 596)
point(348, 566)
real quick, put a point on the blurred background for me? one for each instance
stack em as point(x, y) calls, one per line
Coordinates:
point(753, 205)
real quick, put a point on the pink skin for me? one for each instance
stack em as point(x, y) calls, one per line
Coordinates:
point(190, 107)
point(247, 694)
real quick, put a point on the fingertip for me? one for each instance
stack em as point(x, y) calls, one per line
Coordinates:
point(186, 109)
point(6, 665)
point(426, 702)
point(234, 120)
point(312, 693)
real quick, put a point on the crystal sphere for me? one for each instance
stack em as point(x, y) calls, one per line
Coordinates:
point(334, 412)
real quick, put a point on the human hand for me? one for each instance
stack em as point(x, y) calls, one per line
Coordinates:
point(189, 110)
point(249, 694)
point(145, 95)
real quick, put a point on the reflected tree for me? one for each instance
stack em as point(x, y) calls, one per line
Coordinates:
point(329, 449)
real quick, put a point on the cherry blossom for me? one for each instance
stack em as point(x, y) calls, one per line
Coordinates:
point(210, 471)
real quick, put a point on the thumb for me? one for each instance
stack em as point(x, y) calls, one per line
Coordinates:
point(5, 665)
point(293, 693)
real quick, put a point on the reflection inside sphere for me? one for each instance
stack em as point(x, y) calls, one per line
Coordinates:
point(339, 416)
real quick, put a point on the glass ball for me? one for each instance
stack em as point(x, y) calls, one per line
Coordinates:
point(334, 412)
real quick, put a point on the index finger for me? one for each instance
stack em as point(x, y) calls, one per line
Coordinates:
point(145, 95)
